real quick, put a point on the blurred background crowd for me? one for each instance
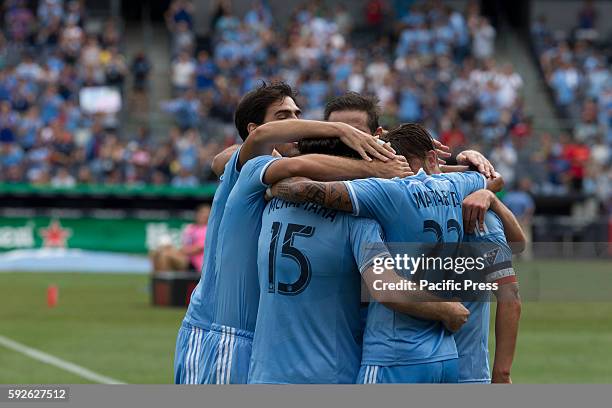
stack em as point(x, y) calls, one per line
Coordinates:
point(425, 61)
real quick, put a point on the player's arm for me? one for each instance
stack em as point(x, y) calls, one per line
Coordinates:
point(474, 209)
point(282, 174)
point(506, 331)
point(377, 270)
point(495, 184)
point(512, 229)
point(221, 159)
point(263, 138)
point(332, 195)
point(417, 303)
point(367, 197)
point(508, 305)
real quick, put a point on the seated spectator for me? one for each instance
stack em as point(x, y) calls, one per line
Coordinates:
point(587, 128)
point(483, 38)
point(565, 81)
point(63, 179)
point(183, 39)
point(183, 69)
point(184, 178)
point(577, 155)
point(190, 255)
point(205, 72)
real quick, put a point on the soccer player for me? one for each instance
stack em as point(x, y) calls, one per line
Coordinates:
point(490, 240)
point(268, 104)
point(226, 348)
point(362, 112)
point(310, 258)
point(423, 208)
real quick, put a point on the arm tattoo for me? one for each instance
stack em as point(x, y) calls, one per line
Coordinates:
point(332, 195)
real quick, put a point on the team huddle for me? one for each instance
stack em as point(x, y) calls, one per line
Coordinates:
point(302, 210)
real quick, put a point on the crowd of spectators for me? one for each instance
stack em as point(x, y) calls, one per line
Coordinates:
point(48, 55)
point(425, 62)
point(432, 64)
point(578, 70)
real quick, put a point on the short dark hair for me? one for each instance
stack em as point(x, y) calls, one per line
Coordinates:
point(253, 106)
point(410, 140)
point(332, 146)
point(353, 101)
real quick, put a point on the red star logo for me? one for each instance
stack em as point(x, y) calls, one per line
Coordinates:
point(54, 236)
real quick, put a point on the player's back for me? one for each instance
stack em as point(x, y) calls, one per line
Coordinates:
point(308, 327)
point(473, 337)
point(419, 209)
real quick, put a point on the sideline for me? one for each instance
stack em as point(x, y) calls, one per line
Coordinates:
point(57, 362)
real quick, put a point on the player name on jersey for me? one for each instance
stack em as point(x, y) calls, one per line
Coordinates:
point(326, 214)
point(436, 198)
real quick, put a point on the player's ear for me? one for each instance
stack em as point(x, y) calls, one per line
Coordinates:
point(251, 127)
point(431, 161)
point(379, 132)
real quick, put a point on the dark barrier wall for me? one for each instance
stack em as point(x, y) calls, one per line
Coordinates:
point(93, 197)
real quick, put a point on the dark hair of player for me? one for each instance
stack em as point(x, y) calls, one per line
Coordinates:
point(330, 145)
point(253, 106)
point(410, 140)
point(352, 101)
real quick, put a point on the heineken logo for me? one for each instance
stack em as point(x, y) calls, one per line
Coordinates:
point(54, 236)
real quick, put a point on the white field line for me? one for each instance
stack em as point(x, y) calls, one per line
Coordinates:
point(57, 362)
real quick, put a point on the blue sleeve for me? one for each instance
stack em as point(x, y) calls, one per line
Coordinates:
point(467, 182)
point(231, 171)
point(372, 198)
point(252, 174)
point(367, 242)
point(497, 252)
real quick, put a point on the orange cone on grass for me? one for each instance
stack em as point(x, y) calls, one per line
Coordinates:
point(52, 295)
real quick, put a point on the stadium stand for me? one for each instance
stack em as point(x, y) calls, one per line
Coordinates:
point(579, 74)
point(432, 64)
point(47, 57)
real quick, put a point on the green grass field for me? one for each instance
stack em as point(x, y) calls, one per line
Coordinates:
point(106, 324)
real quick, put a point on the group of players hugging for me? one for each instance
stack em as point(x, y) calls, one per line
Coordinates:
point(299, 211)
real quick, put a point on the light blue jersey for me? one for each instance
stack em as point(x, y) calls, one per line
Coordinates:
point(309, 323)
point(237, 289)
point(226, 348)
point(473, 338)
point(197, 321)
point(422, 209)
point(201, 307)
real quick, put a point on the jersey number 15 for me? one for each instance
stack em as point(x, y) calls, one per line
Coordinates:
point(289, 251)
